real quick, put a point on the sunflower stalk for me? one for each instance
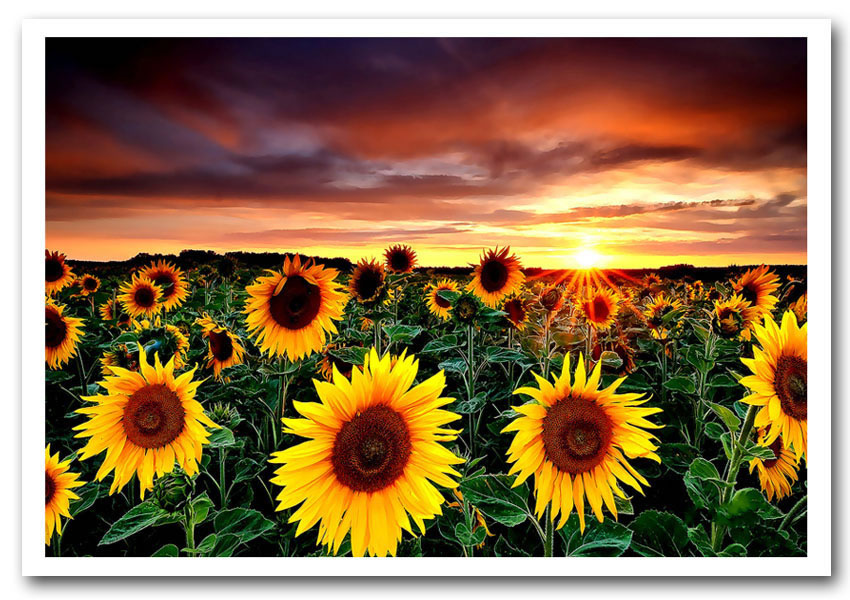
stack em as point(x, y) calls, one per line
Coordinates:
point(718, 531)
point(795, 510)
point(549, 541)
point(189, 528)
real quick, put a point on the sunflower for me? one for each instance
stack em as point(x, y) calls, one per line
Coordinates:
point(600, 307)
point(171, 280)
point(89, 284)
point(330, 361)
point(400, 258)
point(291, 311)
point(58, 483)
point(167, 341)
point(108, 312)
point(372, 453)
point(777, 474)
point(757, 286)
point(147, 422)
point(224, 347)
point(140, 297)
point(57, 273)
point(779, 381)
point(120, 356)
point(496, 276)
point(624, 351)
point(517, 313)
point(800, 308)
point(367, 283)
point(61, 334)
point(696, 291)
point(440, 307)
point(551, 299)
point(465, 309)
point(576, 438)
point(651, 280)
point(730, 318)
point(656, 314)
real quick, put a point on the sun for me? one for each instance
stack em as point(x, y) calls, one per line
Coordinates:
point(588, 258)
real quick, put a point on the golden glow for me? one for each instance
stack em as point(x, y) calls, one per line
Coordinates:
point(588, 258)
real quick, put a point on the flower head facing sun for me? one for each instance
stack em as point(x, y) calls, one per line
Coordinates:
point(61, 334)
point(58, 483)
point(757, 287)
point(778, 474)
point(516, 310)
point(89, 284)
point(658, 314)
point(291, 312)
point(57, 273)
point(368, 283)
point(437, 305)
point(576, 439)
point(372, 456)
point(113, 311)
point(223, 346)
point(779, 381)
point(400, 258)
point(600, 307)
point(147, 423)
point(140, 297)
point(496, 276)
point(729, 319)
point(170, 280)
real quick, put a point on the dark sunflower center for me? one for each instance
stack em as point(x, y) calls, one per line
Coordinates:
point(90, 283)
point(441, 302)
point(144, 297)
point(515, 310)
point(154, 416)
point(750, 293)
point(221, 345)
point(399, 261)
point(371, 451)
point(576, 434)
point(368, 283)
point(297, 304)
point(790, 383)
point(776, 446)
point(494, 275)
point(167, 283)
point(54, 328)
point(53, 269)
point(599, 309)
point(49, 488)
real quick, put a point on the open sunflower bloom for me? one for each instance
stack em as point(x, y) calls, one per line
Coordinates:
point(577, 439)
point(372, 456)
point(58, 483)
point(496, 276)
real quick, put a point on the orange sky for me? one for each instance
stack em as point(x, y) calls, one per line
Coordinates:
point(648, 152)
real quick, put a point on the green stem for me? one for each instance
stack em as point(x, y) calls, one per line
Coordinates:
point(470, 383)
point(222, 453)
point(189, 528)
point(718, 531)
point(549, 541)
point(377, 326)
point(793, 512)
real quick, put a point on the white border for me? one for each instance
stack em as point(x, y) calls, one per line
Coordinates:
point(819, 259)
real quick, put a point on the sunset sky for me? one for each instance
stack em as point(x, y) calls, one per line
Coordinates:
point(646, 152)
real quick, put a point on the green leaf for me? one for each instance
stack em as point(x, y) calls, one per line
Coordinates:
point(681, 384)
point(608, 538)
point(169, 550)
point(611, 360)
point(402, 333)
point(727, 416)
point(222, 438)
point(493, 496)
point(699, 538)
point(746, 507)
point(496, 354)
point(733, 550)
point(714, 430)
point(207, 544)
point(245, 523)
point(134, 520)
point(703, 483)
point(503, 547)
point(448, 295)
point(726, 440)
point(355, 355)
point(453, 365)
point(444, 344)
point(57, 376)
point(201, 508)
point(467, 537)
point(88, 495)
point(465, 407)
point(722, 380)
point(659, 534)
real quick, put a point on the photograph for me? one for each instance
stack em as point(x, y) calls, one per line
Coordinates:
point(479, 297)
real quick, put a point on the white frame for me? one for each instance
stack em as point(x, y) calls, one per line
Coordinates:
point(818, 561)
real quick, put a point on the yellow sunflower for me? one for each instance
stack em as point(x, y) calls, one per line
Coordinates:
point(367, 282)
point(291, 311)
point(551, 299)
point(329, 361)
point(576, 440)
point(58, 483)
point(140, 297)
point(119, 356)
point(757, 286)
point(108, 312)
point(147, 422)
point(400, 258)
point(440, 307)
point(600, 307)
point(372, 453)
point(517, 313)
point(730, 318)
point(223, 346)
point(61, 334)
point(778, 474)
point(779, 381)
point(167, 341)
point(696, 291)
point(57, 273)
point(89, 284)
point(496, 276)
point(800, 308)
point(171, 280)
point(658, 308)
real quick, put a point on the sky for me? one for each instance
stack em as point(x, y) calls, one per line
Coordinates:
point(625, 153)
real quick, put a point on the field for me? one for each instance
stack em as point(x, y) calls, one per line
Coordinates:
point(488, 411)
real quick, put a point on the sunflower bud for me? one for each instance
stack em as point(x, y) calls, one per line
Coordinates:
point(465, 309)
point(224, 414)
point(172, 491)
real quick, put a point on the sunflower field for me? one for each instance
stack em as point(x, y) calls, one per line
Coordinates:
point(206, 406)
